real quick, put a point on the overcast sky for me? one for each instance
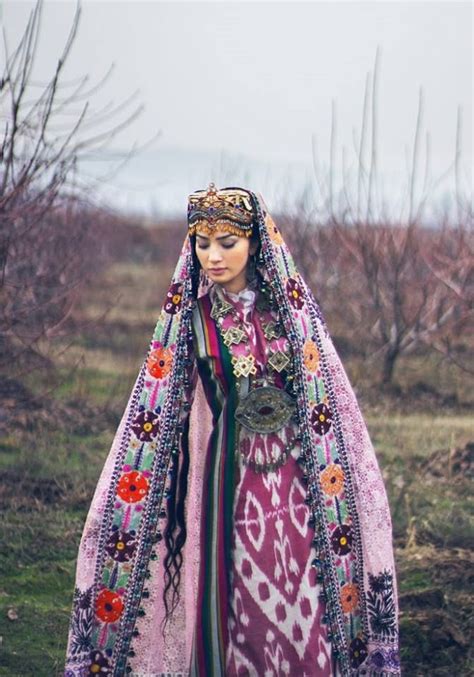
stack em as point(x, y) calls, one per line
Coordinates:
point(241, 90)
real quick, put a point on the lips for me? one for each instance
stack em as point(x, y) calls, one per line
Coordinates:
point(216, 270)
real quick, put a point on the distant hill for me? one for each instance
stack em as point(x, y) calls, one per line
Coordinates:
point(156, 182)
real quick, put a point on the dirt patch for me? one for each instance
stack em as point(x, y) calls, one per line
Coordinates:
point(450, 463)
point(431, 598)
point(435, 613)
point(21, 410)
point(19, 492)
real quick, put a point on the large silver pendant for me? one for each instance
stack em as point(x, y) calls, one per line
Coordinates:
point(265, 410)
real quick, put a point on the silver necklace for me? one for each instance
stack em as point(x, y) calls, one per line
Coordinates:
point(263, 408)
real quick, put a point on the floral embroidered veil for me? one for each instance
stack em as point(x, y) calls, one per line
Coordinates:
point(117, 609)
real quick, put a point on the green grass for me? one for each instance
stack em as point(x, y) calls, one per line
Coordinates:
point(44, 507)
point(415, 579)
point(39, 594)
point(398, 435)
point(421, 381)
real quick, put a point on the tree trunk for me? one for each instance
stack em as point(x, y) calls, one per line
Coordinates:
point(389, 362)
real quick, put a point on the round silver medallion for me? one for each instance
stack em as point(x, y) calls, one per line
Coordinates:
point(265, 410)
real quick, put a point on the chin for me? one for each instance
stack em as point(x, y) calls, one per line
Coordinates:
point(221, 278)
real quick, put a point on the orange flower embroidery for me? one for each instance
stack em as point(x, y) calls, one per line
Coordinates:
point(332, 479)
point(274, 233)
point(159, 362)
point(349, 597)
point(311, 355)
point(132, 487)
point(108, 606)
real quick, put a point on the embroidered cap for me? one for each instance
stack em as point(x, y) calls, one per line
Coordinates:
point(227, 209)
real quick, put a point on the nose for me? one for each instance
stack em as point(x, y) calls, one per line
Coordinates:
point(214, 255)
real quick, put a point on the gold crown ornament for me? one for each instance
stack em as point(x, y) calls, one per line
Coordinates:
point(227, 209)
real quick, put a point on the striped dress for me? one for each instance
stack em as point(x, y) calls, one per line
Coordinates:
point(258, 606)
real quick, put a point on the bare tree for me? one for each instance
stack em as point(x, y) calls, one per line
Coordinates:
point(404, 282)
point(50, 240)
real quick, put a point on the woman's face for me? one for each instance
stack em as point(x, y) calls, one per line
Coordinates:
point(223, 257)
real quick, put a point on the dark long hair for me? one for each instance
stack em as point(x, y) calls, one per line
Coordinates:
point(175, 533)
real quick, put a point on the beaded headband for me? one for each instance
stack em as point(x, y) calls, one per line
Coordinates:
point(227, 209)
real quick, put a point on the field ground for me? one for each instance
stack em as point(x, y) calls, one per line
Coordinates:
point(422, 430)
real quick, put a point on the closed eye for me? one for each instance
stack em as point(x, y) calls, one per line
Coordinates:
point(226, 246)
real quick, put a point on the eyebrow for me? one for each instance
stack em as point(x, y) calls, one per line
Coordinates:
point(222, 237)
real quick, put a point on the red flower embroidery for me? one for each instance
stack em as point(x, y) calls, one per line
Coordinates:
point(159, 362)
point(132, 487)
point(108, 606)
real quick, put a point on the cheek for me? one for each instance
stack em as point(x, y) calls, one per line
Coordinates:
point(201, 255)
point(240, 256)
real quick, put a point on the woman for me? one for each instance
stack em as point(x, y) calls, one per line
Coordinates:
point(240, 525)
